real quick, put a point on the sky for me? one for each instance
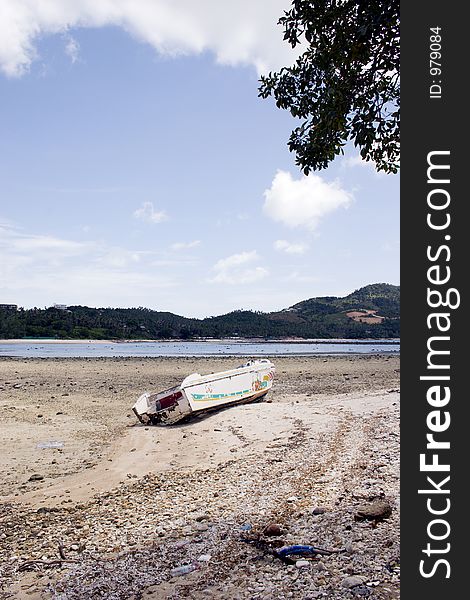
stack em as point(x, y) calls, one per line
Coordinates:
point(138, 167)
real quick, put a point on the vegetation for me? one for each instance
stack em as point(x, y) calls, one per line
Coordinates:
point(345, 85)
point(323, 317)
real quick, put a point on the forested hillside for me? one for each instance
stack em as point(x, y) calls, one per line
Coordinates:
point(370, 312)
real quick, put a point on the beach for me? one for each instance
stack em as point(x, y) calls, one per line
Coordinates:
point(94, 504)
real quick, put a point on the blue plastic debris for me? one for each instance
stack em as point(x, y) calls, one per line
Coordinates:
point(300, 550)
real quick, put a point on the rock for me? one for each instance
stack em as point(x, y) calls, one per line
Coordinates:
point(272, 529)
point(36, 477)
point(302, 564)
point(375, 511)
point(353, 581)
point(204, 558)
point(318, 510)
point(202, 517)
point(361, 590)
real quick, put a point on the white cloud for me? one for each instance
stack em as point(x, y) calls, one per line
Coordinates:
point(237, 269)
point(36, 247)
point(147, 213)
point(118, 258)
point(297, 277)
point(236, 260)
point(303, 202)
point(72, 48)
point(355, 161)
point(185, 245)
point(290, 248)
point(238, 33)
point(350, 162)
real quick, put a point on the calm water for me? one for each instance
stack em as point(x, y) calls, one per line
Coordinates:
point(36, 349)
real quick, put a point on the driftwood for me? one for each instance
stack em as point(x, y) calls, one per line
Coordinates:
point(36, 564)
point(62, 551)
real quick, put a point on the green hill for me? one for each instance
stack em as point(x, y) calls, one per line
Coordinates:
point(369, 312)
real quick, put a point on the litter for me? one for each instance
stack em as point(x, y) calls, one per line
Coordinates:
point(286, 552)
point(51, 444)
point(183, 570)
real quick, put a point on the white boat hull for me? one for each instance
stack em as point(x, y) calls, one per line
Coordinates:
point(200, 393)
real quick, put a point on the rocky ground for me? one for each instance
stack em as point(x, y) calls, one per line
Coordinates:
point(316, 464)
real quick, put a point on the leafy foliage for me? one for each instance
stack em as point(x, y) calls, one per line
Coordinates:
point(345, 85)
point(315, 318)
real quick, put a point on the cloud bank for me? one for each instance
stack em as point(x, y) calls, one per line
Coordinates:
point(237, 33)
point(47, 269)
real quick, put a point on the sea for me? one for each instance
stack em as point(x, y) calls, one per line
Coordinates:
point(206, 348)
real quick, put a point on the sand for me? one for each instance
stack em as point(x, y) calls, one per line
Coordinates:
point(335, 418)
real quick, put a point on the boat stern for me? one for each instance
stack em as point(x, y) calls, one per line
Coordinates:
point(169, 407)
point(141, 407)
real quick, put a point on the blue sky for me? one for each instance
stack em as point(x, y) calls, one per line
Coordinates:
point(139, 169)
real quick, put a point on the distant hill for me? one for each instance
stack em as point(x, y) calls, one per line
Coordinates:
point(369, 312)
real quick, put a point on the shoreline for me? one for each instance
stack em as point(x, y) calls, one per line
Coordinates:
point(384, 341)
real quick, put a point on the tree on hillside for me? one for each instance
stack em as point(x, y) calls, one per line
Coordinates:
point(345, 85)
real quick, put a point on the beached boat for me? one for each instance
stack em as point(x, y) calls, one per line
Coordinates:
point(199, 393)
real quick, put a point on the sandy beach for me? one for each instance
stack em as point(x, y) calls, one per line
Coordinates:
point(95, 505)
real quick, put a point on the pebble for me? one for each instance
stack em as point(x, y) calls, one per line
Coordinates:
point(376, 510)
point(272, 529)
point(352, 581)
point(301, 564)
point(204, 558)
point(203, 517)
point(361, 590)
